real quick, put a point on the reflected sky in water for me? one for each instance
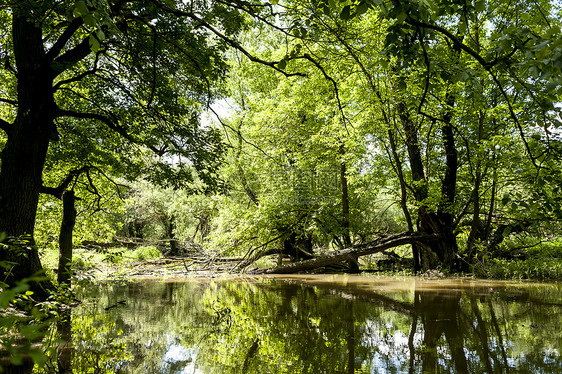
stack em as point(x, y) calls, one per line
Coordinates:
point(319, 324)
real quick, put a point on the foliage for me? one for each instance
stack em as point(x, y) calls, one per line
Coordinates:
point(432, 105)
point(23, 324)
point(146, 253)
point(532, 268)
point(98, 215)
point(347, 121)
point(106, 88)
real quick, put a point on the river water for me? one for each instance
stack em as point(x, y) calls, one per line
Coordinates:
point(318, 324)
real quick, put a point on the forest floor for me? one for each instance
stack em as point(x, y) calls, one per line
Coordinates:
point(159, 268)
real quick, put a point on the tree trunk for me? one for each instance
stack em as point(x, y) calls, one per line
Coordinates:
point(442, 222)
point(352, 263)
point(65, 238)
point(339, 257)
point(438, 221)
point(24, 154)
point(441, 252)
point(404, 197)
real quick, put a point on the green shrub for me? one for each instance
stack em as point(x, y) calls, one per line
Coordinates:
point(533, 268)
point(146, 253)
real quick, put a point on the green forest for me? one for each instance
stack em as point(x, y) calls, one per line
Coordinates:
point(277, 136)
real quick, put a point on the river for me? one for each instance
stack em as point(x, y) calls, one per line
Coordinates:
point(317, 324)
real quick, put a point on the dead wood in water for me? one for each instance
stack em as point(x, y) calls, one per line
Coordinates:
point(347, 254)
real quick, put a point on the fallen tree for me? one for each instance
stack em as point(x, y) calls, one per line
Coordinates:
point(351, 253)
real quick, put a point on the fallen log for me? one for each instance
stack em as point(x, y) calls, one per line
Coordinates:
point(349, 253)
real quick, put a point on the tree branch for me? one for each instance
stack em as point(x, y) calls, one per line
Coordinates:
point(306, 56)
point(239, 133)
point(57, 191)
point(64, 38)
point(71, 57)
point(5, 125)
point(350, 253)
point(112, 124)
point(8, 101)
point(456, 41)
point(233, 43)
point(515, 119)
point(79, 77)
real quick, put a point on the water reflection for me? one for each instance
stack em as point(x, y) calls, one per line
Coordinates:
point(315, 324)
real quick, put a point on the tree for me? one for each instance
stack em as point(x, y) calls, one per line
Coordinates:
point(98, 77)
point(448, 98)
point(295, 166)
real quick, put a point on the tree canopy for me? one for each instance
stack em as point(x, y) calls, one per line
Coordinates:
point(445, 113)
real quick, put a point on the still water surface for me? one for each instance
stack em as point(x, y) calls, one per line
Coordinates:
point(320, 324)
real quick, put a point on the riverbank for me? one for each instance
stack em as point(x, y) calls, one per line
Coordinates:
point(149, 262)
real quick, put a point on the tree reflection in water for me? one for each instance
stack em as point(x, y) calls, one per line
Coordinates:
point(310, 325)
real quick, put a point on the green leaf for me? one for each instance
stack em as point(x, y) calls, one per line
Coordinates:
point(282, 64)
point(362, 8)
point(401, 17)
point(94, 44)
point(480, 6)
point(462, 27)
point(534, 71)
point(346, 13)
point(81, 9)
point(89, 20)
point(506, 198)
point(100, 34)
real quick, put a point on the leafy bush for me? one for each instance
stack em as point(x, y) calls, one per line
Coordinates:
point(21, 323)
point(533, 268)
point(146, 253)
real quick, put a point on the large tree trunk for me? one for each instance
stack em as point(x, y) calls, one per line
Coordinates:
point(24, 154)
point(441, 252)
point(437, 221)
